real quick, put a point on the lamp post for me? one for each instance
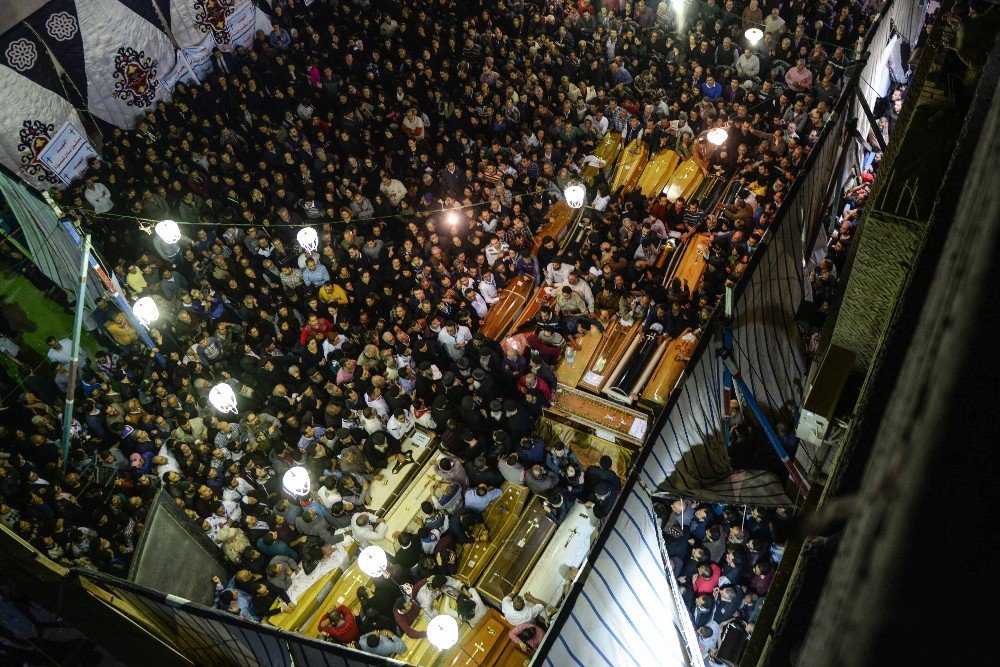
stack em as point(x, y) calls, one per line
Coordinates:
point(223, 398)
point(718, 136)
point(308, 239)
point(168, 231)
point(74, 358)
point(296, 481)
point(575, 194)
point(145, 311)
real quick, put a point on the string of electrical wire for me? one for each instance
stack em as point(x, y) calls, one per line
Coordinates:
point(407, 216)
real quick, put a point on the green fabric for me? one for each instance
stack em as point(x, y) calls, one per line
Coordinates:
point(23, 303)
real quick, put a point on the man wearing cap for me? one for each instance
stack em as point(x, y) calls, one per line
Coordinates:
point(556, 506)
point(518, 423)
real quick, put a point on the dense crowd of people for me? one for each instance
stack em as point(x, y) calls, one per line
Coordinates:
point(724, 558)
point(425, 141)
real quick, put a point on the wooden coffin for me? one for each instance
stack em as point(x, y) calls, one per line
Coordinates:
point(557, 222)
point(567, 550)
point(499, 518)
point(607, 150)
point(541, 297)
point(594, 414)
point(511, 656)
point(693, 264)
point(614, 343)
point(502, 314)
point(485, 645)
point(630, 165)
point(658, 171)
point(668, 370)
point(306, 605)
point(570, 374)
point(343, 592)
point(384, 492)
point(513, 561)
point(402, 515)
point(420, 651)
point(684, 181)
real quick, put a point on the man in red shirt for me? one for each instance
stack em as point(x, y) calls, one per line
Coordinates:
point(315, 326)
point(340, 625)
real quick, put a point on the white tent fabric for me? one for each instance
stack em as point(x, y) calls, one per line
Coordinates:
point(126, 59)
point(30, 116)
point(628, 613)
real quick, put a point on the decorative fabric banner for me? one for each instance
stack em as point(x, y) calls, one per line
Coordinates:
point(57, 26)
point(192, 20)
point(155, 11)
point(126, 60)
point(29, 118)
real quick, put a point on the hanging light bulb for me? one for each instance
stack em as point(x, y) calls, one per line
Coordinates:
point(373, 561)
point(223, 398)
point(145, 311)
point(718, 136)
point(442, 631)
point(452, 218)
point(308, 239)
point(754, 35)
point(168, 231)
point(575, 194)
point(296, 482)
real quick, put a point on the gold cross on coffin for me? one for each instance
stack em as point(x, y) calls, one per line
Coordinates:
point(532, 525)
point(477, 649)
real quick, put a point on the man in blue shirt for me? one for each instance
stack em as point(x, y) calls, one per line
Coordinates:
point(711, 89)
point(480, 497)
point(315, 275)
point(381, 642)
point(620, 75)
point(279, 39)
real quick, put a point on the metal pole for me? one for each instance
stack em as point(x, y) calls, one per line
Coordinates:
point(765, 424)
point(727, 376)
point(75, 356)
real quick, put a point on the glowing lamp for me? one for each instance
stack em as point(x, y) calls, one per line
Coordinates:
point(442, 631)
point(223, 398)
point(754, 35)
point(575, 194)
point(452, 218)
point(372, 561)
point(168, 231)
point(718, 136)
point(145, 311)
point(296, 482)
point(308, 239)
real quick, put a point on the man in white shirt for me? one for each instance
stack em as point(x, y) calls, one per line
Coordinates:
point(556, 273)
point(98, 195)
point(488, 288)
point(400, 424)
point(413, 126)
point(60, 351)
point(581, 287)
point(454, 337)
point(516, 609)
point(495, 250)
point(393, 189)
point(366, 529)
